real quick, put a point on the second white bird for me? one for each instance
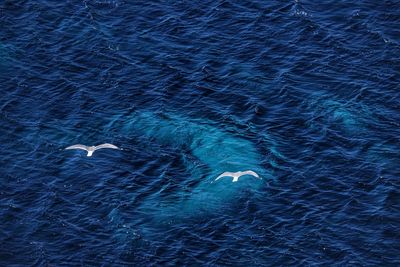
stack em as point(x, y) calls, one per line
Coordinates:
point(236, 175)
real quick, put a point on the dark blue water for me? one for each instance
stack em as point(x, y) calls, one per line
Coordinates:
point(313, 85)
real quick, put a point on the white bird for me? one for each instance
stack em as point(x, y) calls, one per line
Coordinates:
point(236, 175)
point(91, 149)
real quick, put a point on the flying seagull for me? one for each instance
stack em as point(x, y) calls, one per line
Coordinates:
point(236, 175)
point(91, 149)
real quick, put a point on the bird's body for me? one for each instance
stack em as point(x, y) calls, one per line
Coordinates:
point(237, 175)
point(90, 149)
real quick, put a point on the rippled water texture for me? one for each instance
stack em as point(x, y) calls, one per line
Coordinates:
point(306, 93)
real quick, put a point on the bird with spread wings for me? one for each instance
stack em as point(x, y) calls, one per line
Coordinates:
point(91, 149)
point(237, 175)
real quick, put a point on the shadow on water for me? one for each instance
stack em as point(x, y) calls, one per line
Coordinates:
point(204, 151)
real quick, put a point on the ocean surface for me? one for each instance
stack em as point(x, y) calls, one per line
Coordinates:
point(312, 86)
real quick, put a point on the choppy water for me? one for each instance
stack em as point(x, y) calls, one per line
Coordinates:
point(313, 86)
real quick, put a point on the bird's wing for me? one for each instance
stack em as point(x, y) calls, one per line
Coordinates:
point(225, 174)
point(106, 145)
point(77, 147)
point(251, 173)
